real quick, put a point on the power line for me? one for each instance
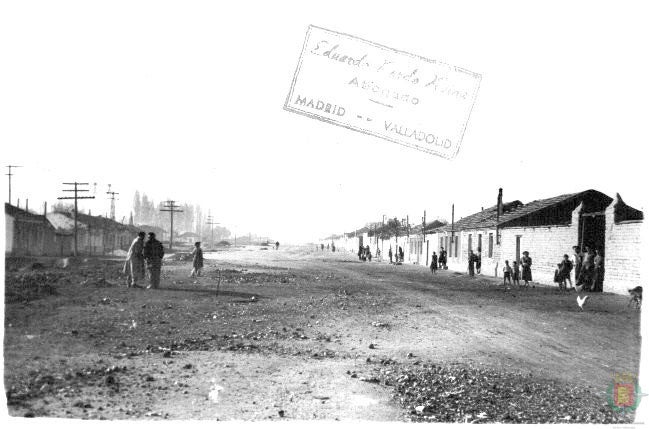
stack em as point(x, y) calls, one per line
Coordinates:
point(171, 207)
point(76, 197)
point(9, 167)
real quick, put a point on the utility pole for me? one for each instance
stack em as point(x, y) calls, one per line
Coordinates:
point(112, 202)
point(423, 226)
point(171, 207)
point(76, 197)
point(211, 223)
point(9, 174)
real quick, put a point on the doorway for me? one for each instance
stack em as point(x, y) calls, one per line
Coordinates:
point(518, 249)
point(592, 231)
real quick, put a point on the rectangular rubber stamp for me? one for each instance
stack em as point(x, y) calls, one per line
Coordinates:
point(404, 98)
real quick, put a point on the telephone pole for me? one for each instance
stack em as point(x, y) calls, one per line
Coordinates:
point(76, 197)
point(211, 223)
point(171, 207)
point(112, 202)
point(9, 174)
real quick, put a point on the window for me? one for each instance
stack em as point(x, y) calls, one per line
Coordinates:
point(480, 242)
point(470, 243)
point(457, 244)
point(491, 245)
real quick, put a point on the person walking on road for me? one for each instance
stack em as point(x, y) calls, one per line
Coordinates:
point(390, 254)
point(134, 264)
point(153, 253)
point(197, 260)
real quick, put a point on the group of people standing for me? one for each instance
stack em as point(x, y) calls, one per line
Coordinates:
point(398, 255)
point(589, 269)
point(364, 253)
point(142, 253)
point(512, 273)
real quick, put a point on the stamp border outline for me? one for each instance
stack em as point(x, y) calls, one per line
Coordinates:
point(462, 127)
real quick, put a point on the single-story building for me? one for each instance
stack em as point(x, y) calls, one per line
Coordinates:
point(548, 229)
point(29, 234)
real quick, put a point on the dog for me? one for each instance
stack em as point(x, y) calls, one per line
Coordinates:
point(636, 296)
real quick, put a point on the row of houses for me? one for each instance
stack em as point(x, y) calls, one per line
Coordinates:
point(546, 228)
point(52, 234)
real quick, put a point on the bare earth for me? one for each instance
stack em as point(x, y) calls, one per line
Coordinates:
point(289, 335)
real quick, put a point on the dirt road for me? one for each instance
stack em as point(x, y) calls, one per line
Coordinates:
point(293, 334)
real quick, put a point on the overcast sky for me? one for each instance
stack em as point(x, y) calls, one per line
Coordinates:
point(184, 101)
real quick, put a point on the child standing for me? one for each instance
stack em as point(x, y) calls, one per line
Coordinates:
point(565, 267)
point(197, 260)
point(517, 274)
point(433, 264)
point(507, 276)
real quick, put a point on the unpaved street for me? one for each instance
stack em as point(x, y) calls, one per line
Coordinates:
point(299, 334)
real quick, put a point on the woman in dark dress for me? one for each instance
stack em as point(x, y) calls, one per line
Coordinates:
point(526, 263)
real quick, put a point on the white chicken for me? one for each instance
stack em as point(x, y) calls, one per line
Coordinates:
point(581, 301)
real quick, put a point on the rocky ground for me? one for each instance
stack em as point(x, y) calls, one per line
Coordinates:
point(299, 334)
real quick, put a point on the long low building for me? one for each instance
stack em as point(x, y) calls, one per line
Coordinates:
point(546, 228)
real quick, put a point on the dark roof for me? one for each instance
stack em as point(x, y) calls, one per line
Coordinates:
point(98, 222)
point(624, 212)
point(549, 211)
point(486, 218)
point(25, 216)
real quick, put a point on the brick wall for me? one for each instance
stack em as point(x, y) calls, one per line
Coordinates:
point(623, 251)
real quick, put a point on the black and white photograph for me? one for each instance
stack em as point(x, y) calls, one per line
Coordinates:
point(324, 213)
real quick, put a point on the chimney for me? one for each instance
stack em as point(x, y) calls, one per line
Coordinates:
point(499, 212)
point(500, 202)
point(27, 204)
point(18, 203)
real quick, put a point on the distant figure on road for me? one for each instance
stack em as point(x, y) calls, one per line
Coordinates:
point(526, 263)
point(277, 245)
point(333, 247)
point(360, 253)
point(507, 273)
point(400, 254)
point(327, 246)
point(134, 265)
point(390, 254)
point(472, 259)
point(322, 247)
point(153, 253)
point(197, 260)
point(442, 258)
point(368, 254)
point(433, 264)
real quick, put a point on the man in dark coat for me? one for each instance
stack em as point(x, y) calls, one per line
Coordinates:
point(153, 253)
